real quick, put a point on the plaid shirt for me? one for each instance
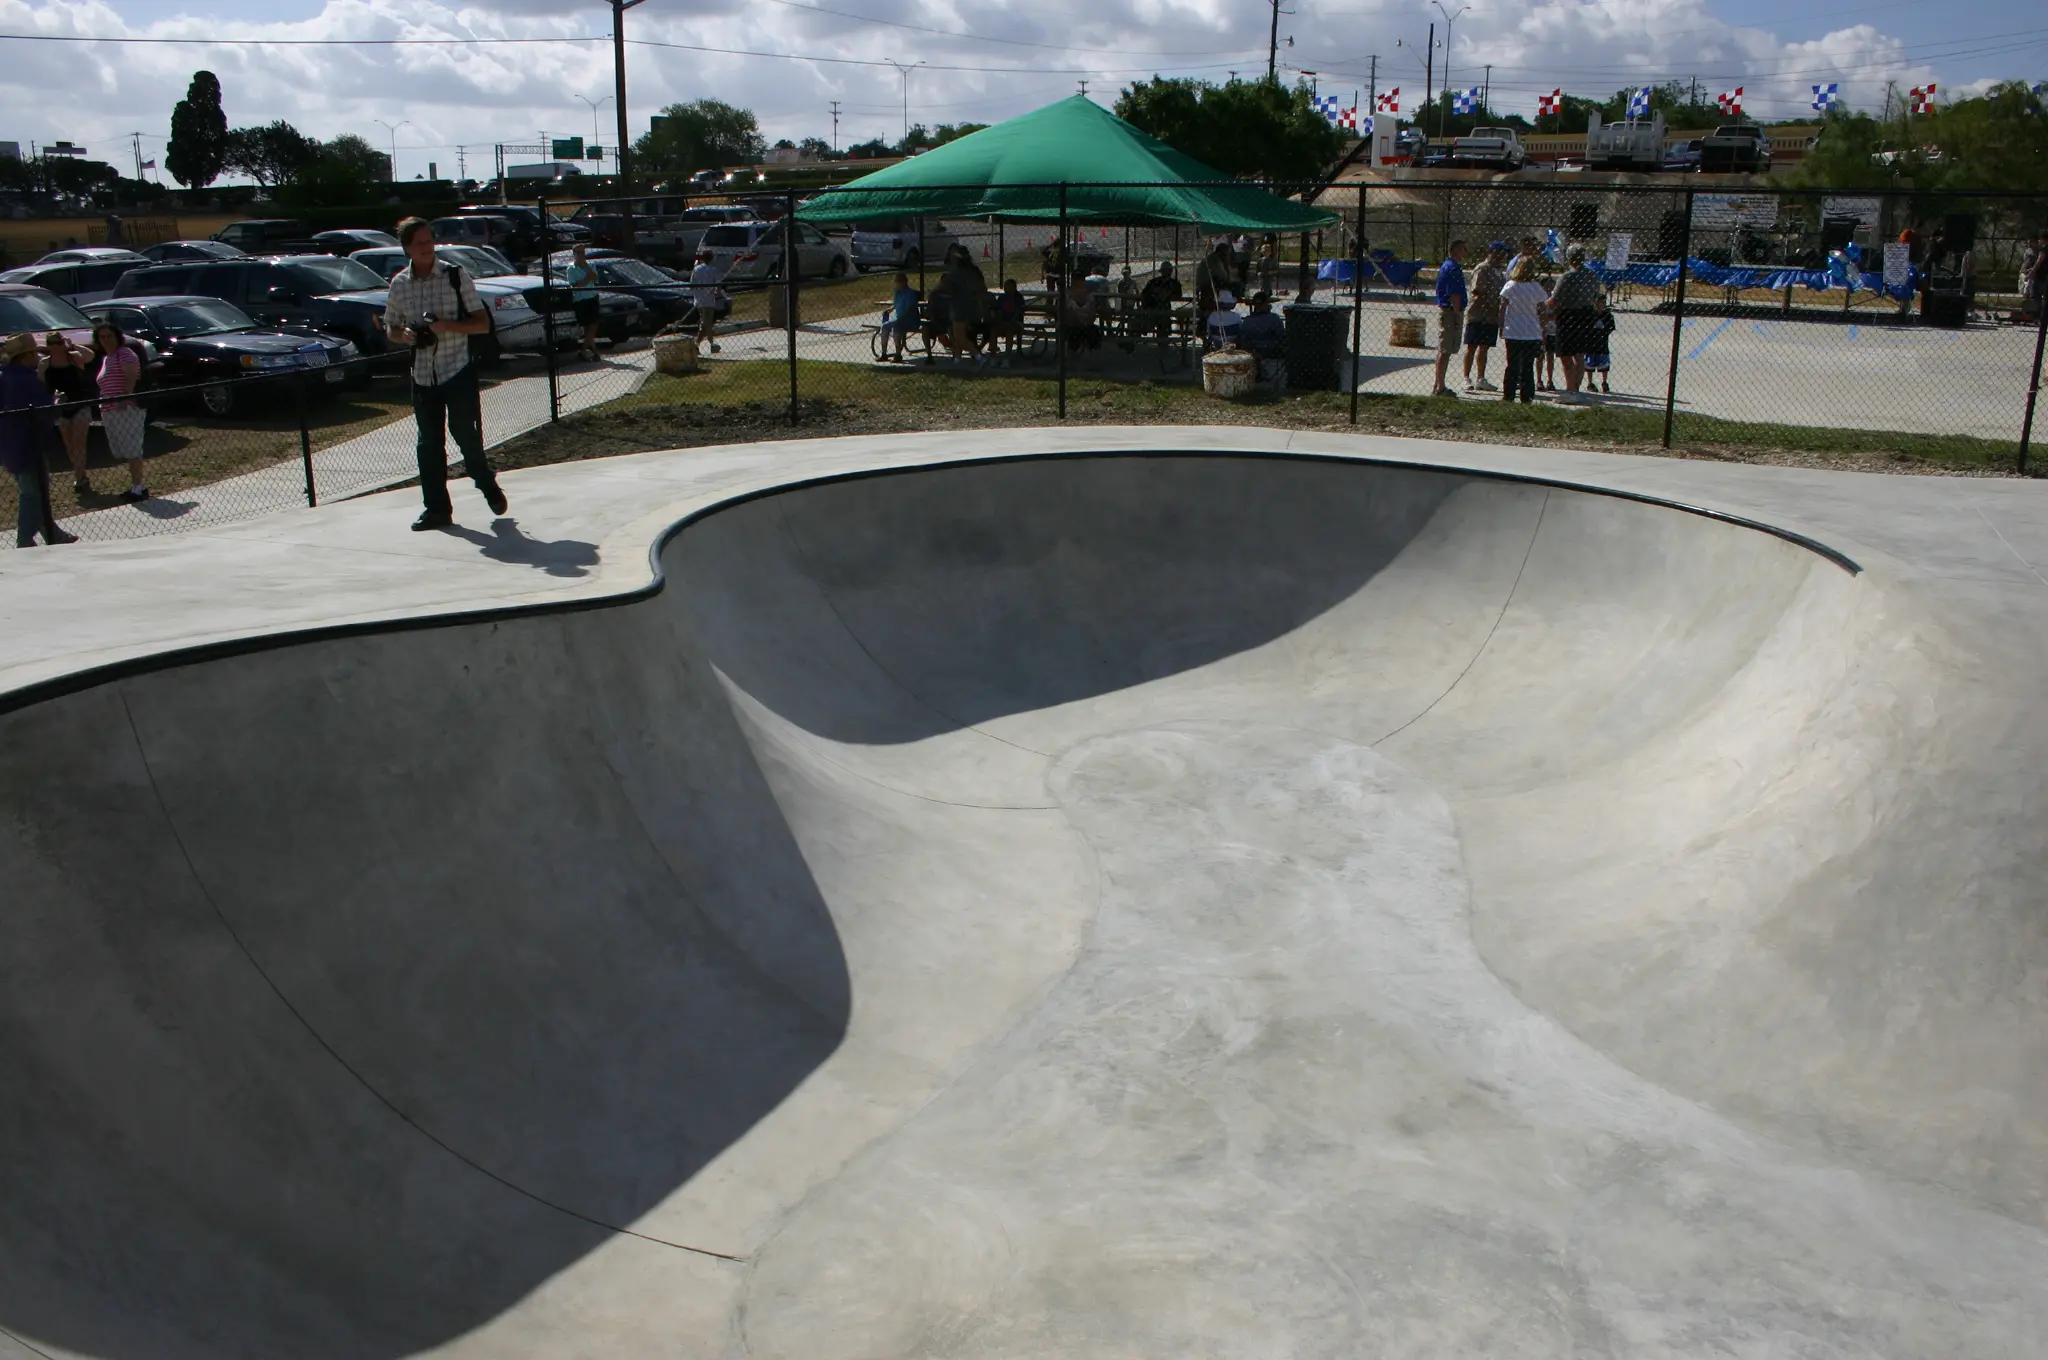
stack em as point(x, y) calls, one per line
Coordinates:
point(413, 298)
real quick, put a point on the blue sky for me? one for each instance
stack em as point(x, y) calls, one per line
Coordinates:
point(983, 60)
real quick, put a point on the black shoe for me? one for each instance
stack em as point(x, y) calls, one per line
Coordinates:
point(432, 520)
point(59, 536)
point(135, 493)
point(494, 497)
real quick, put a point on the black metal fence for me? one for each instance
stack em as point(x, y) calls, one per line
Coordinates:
point(1747, 316)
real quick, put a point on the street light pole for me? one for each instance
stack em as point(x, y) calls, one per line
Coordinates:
point(1450, 17)
point(595, 105)
point(619, 8)
point(905, 71)
point(393, 129)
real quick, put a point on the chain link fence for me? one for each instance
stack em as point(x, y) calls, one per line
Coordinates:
point(1750, 318)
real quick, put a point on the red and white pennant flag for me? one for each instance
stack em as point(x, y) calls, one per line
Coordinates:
point(1550, 103)
point(1731, 102)
point(1390, 102)
point(1923, 98)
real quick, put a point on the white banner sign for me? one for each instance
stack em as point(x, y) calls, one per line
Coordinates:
point(1725, 212)
point(1898, 264)
point(1618, 243)
point(1864, 210)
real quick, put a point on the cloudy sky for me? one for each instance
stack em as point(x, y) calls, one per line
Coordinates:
point(307, 61)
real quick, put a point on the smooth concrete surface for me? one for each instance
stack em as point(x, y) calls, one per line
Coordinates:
point(1172, 899)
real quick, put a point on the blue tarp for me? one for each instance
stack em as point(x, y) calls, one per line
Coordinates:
point(1754, 276)
point(1399, 273)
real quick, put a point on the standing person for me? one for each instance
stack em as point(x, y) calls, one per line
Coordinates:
point(1482, 321)
point(1578, 300)
point(1522, 304)
point(1548, 362)
point(1600, 359)
point(24, 403)
point(67, 372)
point(968, 288)
point(120, 373)
point(582, 281)
point(1268, 262)
point(434, 308)
point(1450, 310)
point(704, 290)
point(2034, 276)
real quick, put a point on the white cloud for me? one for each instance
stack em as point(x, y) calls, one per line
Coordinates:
point(483, 94)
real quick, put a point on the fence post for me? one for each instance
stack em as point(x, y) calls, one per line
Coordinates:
point(1677, 320)
point(792, 271)
point(1357, 298)
point(305, 439)
point(547, 297)
point(2033, 382)
point(1059, 317)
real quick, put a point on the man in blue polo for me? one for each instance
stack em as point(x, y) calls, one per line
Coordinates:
point(1450, 312)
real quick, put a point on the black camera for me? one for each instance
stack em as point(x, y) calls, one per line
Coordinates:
point(423, 334)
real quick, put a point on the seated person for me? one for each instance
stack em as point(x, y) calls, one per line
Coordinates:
point(1006, 315)
point(937, 319)
point(1079, 320)
point(903, 318)
point(1155, 303)
point(1264, 333)
point(1225, 326)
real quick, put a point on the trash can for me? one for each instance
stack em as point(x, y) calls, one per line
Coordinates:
point(1318, 346)
point(778, 306)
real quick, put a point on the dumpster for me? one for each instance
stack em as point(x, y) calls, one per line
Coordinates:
point(1318, 346)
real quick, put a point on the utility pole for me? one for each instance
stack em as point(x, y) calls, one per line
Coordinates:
point(461, 164)
point(835, 127)
point(1428, 74)
point(137, 138)
point(1084, 88)
point(619, 8)
point(1273, 45)
point(905, 71)
point(1450, 18)
point(1373, 82)
point(1486, 90)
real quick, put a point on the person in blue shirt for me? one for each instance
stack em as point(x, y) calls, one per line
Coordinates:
point(582, 281)
point(903, 318)
point(1450, 311)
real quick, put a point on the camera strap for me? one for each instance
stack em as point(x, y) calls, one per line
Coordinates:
point(455, 282)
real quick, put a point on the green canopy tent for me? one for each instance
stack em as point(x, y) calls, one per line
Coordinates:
point(1113, 173)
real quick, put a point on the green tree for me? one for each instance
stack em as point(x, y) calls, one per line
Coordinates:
point(874, 148)
point(1244, 128)
point(199, 134)
point(953, 132)
point(814, 149)
point(272, 155)
point(1996, 141)
point(353, 156)
point(705, 134)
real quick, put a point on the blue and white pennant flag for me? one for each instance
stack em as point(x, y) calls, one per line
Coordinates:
point(1327, 105)
point(1639, 103)
point(1826, 96)
point(1466, 101)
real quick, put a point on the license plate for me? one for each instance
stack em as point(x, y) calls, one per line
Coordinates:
point(334, 375)
point(565, 318)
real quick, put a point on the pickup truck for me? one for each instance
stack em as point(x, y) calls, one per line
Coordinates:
point(1736, 149)
point(1637, 144)
point(1495, 147)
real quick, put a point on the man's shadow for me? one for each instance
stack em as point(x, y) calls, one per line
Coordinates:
point(504, 543)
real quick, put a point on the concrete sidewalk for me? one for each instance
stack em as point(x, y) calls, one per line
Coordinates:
point(370, 462)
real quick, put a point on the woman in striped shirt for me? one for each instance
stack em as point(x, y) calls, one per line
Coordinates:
point(120, 372)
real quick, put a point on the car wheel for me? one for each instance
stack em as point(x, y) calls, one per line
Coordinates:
point(219, 399)
point(838, 269)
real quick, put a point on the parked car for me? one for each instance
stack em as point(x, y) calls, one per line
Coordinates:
point(476, 229)
point(533, 234)
point(1632, 144)
point(205, 340)
point(751, 252)
point(317, 292)
point(516, 320)
point(348, 240)
point(26, 309)
point(619, 314)
point(76, 283)
point(186, 252)
point(666, 297)
point(1682, 156)
point(266, 236)
point(89, 255)
point(1736, 148)
point(899, 243)
point(1496, 148)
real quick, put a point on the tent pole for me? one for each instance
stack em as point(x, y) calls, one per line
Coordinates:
point(1357, 298)
point(1059, 324)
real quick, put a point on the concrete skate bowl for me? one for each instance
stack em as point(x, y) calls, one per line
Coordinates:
point(1109, 906)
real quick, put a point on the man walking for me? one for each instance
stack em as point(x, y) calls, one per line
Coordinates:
point(434, 308)
point(1450, 311)
point(1482, 322)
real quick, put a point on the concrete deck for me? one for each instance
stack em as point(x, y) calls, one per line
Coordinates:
point(1239, 898)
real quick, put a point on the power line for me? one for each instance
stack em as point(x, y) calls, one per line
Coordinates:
point(990, 38)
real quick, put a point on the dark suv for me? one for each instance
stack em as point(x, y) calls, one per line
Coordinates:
point(266, 236)
point(533, 235)
point(310, 292)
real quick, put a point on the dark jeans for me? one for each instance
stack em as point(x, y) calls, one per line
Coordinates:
point(457, 402)
point(1521, 375)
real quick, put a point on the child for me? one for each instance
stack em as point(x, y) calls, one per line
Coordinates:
point(1598, 359)
point(1549, 364)
point(1009, 320)
point(902, 316)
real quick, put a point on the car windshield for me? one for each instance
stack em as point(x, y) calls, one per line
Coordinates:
point(330, 275)
point(630, 271)
point(39, 312)
point(369, 237)
point(382, 263)
point(481, 264)
point(204, 317)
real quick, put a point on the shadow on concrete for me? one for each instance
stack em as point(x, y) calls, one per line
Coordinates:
point(568, 557)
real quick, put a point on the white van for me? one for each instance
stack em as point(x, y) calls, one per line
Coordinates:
point(899, 242)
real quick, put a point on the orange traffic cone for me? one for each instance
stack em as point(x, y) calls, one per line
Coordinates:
point(984, 251)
